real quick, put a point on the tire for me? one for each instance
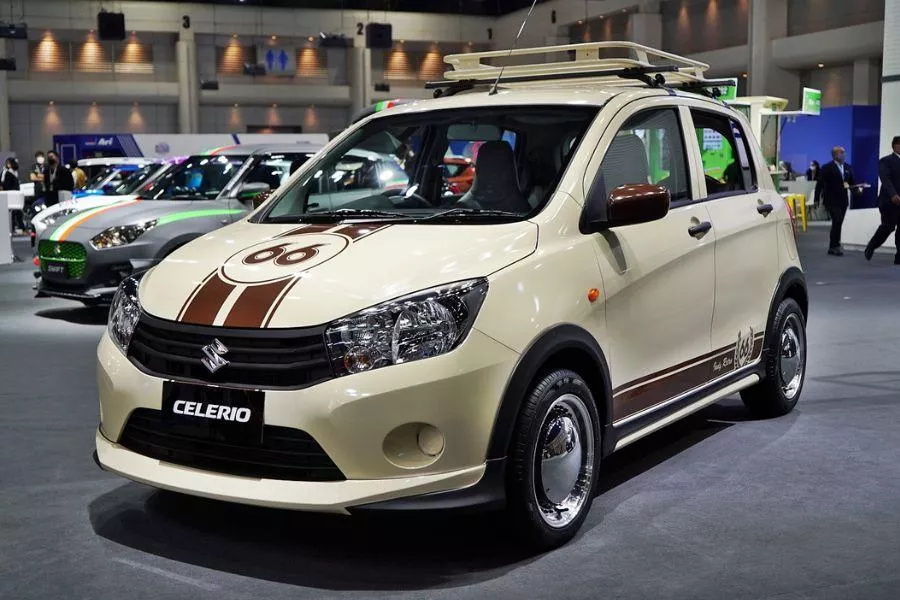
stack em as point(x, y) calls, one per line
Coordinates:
point(785, 364)
point(559, 408)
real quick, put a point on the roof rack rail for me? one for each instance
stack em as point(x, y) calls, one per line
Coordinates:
point(654, 67)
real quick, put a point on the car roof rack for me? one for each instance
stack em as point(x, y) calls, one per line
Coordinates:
point(654, 67)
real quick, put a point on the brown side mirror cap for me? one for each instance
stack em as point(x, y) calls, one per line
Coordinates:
point(260, 198)
point(635, 203)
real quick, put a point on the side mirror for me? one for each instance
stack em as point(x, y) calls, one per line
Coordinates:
point(249, 191)
point(631, 204)
point(260, 198)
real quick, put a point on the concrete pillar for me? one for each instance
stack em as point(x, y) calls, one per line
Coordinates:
point(865, 82)
point(768, 21)
point(890, 77)
point(361, 86)
point(188, 83)
point(646, 25)
point(5, 143)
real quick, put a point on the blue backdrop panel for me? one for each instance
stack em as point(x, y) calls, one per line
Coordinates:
point(856, 128)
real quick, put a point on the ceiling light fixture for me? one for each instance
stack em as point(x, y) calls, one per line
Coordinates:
point(821, 65)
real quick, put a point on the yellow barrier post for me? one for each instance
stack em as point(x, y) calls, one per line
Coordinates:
point(800, 211)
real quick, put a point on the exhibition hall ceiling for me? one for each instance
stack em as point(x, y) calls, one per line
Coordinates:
point(480, 7)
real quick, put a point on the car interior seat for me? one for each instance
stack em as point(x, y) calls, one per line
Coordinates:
point(496, 184)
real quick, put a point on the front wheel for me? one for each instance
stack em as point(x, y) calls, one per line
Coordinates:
point(785, 364)
point(553, 460)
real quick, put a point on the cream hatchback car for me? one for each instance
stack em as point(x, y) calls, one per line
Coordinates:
point(621, 260)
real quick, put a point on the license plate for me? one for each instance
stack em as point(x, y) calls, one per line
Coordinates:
point(215, 413)
point(55, 268)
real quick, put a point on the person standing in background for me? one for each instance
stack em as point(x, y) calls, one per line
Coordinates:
point(10, 180)
point(57, 178)
point(37, 174)
point(78, 175)
point(833, 187)
point(812, 173)
point(888, 201)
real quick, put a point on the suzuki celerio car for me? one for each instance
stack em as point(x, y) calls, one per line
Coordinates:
point(405, 349)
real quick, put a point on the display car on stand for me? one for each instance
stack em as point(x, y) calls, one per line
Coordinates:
point(84, 256)
point(410, 349)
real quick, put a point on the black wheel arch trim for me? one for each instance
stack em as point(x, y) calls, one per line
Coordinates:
point(561, 338)
point(793, 276)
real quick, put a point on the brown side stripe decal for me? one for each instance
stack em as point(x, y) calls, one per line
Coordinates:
point(650, 394)
point(254, 302)
point(203, 307)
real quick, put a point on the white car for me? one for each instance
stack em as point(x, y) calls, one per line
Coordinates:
point(112, 184)
point(621, 260)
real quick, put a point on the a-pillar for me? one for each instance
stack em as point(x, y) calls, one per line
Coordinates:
point(5, 142)
point(646, 25)
point(360, 79)
point(188, 83)
point(768, 21)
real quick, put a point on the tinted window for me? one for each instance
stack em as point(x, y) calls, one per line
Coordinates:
point(198, 177)
point(649, 148)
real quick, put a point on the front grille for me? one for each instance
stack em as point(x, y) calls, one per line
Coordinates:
point(285, 453)
point(257, 358)
point(70, 253)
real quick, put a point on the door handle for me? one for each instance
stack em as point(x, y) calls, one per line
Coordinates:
point(700, 229)
point(764, 209)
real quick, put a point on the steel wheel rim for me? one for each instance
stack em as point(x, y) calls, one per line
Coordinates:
point(564, 461)
point(791, 357)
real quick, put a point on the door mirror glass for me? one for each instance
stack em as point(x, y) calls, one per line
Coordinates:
point(637, 203)
point(260, 198)
point(249, 191)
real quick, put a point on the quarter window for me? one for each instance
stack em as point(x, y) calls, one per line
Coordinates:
point(725, 154)
point(648, 149)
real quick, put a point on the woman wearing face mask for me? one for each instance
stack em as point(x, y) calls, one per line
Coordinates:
point(812, 173)
point(57, 178)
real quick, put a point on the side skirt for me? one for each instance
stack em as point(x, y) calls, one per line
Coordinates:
point(634, 427)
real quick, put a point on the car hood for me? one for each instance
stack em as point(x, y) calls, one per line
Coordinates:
point(79, 204)
point(84, 225)
point(259, 275)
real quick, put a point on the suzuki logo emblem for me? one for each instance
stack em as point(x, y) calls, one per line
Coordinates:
point(57, 250)
point(214, 354)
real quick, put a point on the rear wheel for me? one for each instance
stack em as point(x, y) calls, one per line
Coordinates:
point(785, 364)
point(553, 460)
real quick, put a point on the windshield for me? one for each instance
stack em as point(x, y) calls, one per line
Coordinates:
point(105, 176)
point(197, 178)
point(460, 164)
point(133, 180)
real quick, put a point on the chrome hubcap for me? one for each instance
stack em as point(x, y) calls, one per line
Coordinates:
point(791, 357)
point(564, 466)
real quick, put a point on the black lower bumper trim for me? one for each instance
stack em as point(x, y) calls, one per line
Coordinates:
point(488, 494)
point(97, 461)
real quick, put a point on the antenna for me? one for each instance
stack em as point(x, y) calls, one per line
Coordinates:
point(515, 44)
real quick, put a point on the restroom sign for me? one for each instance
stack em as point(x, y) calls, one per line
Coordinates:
point(280, 61)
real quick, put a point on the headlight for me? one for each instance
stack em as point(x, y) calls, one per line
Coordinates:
point(124, 313)
point(413, 327)
point(119, 236)
point(50, 220)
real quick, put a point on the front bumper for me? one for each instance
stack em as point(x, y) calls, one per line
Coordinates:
point(97, 277)
point(351, 419)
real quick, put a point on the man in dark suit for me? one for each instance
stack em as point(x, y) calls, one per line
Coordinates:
point(57, 178)
point(888, 201)
point(833, 188)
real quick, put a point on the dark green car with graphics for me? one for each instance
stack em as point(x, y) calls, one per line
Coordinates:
point(85, 256)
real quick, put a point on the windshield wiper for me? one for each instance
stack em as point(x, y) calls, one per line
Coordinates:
point(462, 211)
point(337, 215)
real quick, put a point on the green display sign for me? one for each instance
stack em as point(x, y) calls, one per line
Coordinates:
point(812, 101)
point(729, 92)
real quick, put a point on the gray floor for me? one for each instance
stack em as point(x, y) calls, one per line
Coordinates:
point(719, 506)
